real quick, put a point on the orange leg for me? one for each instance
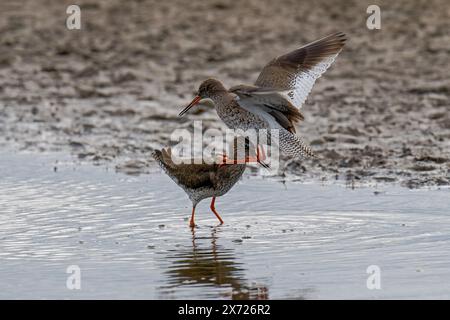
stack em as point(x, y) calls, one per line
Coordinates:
point(214, 210)
point(261, 155)
point(240, 161)
point(191, 221)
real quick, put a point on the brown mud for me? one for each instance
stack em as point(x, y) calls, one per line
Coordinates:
point(112, 90)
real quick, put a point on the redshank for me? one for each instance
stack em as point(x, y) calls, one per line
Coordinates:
point(275, 100)
point(201, 181)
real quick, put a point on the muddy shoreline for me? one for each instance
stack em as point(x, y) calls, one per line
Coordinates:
point(112, 91)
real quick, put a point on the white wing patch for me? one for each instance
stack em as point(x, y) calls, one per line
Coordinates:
point(303, 82)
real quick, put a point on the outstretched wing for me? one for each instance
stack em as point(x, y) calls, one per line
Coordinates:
point(270, 101)
point(294, 74)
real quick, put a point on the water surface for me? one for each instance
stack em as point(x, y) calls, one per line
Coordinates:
point(130, 237)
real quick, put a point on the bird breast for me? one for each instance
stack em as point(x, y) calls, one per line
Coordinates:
point(236, 117)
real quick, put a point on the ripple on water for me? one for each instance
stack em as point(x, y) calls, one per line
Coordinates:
point(279, 241)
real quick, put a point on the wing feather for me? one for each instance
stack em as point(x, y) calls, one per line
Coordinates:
point(293, 75)
point(271, 101)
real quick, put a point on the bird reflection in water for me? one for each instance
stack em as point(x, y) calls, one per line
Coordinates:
point(213, 267)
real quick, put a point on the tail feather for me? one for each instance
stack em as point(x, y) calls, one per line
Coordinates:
point(157, 155)
point(294, 146)
point(164, 157)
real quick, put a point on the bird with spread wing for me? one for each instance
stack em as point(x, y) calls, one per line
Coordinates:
point(276, 98)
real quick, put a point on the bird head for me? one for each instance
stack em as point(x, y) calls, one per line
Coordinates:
point(208, 90)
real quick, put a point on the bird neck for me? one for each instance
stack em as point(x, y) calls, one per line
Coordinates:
point(221, 98)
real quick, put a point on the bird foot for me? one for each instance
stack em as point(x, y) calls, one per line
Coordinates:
point(258, 159)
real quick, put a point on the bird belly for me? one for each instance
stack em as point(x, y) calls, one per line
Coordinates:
point(199, 194)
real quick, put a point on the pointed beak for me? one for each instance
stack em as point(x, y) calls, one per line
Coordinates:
point(190, 105)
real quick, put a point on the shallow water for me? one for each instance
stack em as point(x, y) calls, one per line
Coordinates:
point(130, 237)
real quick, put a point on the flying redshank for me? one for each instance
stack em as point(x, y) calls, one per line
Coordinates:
point(201, 181)
point(275, 100)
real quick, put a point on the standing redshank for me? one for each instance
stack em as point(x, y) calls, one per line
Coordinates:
point(201, 181)
point(275, 100)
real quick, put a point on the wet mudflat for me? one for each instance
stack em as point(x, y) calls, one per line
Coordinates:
point(130, 237)
point(113, 89)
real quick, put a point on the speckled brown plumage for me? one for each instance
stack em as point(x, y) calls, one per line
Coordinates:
point(275, 100)
point(204, 180)
point(200, 181)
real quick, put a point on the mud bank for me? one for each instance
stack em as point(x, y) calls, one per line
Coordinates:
point(112, 90)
